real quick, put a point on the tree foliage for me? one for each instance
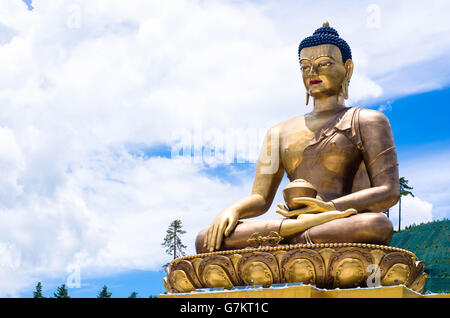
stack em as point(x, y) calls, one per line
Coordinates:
point(133, 295)
point(38, 292)
point(404, 190)
point(404, 187)
point(61, 292)
point(104, 293)
point(172, 241)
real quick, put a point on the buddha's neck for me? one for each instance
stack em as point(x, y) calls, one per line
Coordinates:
point(328, 104)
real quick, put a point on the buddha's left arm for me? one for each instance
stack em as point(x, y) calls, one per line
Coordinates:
point(380, 158)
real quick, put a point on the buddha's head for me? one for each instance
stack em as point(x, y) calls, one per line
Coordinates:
point(326, 64)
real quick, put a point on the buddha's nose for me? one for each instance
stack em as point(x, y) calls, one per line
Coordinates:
point(313, 70)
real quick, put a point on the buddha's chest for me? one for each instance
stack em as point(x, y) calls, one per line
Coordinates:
point(302, 153)
point(293, 145)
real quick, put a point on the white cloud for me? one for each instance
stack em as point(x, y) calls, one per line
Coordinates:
point(425, 168)
point(82, 80)
point(107, 217)
point(414, 211)
point(12, 165)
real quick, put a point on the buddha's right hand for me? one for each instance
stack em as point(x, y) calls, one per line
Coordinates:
point(223, 224)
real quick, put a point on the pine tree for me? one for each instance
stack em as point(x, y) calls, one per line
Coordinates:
point(104, 293)
point(38, 292)
point(404, 187)
point(61, 292)
point(172, 241)
point(133, 295)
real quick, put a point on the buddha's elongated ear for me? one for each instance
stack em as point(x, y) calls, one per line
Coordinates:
point(348, 74)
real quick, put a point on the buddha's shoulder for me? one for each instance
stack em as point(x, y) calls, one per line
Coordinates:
point(289, 124)
point(367, 116)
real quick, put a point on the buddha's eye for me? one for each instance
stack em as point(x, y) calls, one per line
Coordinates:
point(325, 64)
point(305, 68)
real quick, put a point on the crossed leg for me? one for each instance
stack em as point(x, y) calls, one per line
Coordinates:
point(374, 228)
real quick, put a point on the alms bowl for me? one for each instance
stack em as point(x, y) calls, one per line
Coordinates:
point(295, 189)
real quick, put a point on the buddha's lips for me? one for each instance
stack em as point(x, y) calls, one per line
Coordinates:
point(313, 82)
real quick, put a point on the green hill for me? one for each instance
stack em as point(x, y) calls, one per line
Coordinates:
point(430, 242)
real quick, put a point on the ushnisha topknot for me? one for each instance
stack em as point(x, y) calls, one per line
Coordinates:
point(327, 35)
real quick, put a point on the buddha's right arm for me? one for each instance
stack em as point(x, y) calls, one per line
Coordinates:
point(269, 173)
point(259, 201)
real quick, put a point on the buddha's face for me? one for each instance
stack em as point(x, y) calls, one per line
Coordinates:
point(323, 70)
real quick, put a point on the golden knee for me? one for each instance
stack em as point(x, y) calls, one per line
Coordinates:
point(199, 241)
point(376, 228)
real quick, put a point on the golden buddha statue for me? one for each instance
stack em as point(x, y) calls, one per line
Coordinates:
point(342, 165)
point(345, 154)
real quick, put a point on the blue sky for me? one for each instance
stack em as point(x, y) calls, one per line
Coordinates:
point(96, 97)
point(421, 119)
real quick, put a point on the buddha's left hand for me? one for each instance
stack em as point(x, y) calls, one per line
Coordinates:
point(311, 206)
